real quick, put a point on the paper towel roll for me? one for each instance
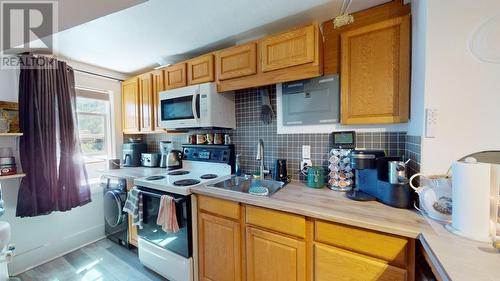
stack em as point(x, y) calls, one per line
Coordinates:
point(471, 183)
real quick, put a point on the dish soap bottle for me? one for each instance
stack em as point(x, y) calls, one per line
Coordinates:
point(237, 165)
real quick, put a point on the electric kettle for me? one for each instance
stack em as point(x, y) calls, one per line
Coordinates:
point(174, 159)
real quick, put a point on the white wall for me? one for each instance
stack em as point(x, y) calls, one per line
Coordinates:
point(464, 90)
point(419, 29)
point(43, 238)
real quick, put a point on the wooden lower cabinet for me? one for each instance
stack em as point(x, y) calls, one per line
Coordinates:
point(243, 242)
point(274, 257)
point(219, 248)
point(331, 263)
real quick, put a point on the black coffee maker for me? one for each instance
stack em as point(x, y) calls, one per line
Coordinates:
point(280, 171)
point(371, 180)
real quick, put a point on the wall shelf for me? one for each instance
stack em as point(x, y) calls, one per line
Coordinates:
point(18, 176)
point(11, 134)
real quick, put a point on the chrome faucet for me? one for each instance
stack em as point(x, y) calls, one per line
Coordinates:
point(260, 157)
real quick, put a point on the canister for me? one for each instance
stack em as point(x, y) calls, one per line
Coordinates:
point(316, 177)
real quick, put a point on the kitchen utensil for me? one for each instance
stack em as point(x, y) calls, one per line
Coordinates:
point(174, 159)
point(316, 177)
point(280, 172)
point(434, 195)
point(150, 159)
point(218, 138)
point(266, 111)
point(201, 139)
point(397, 172)
point(210, 138)
point(4, 125)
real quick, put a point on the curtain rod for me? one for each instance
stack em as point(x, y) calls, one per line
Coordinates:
point(75, 69)
point(96, 74)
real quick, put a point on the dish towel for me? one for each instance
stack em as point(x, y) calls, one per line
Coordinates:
point(167, 215)
point(133, 206)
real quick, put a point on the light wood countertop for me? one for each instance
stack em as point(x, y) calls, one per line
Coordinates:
point(454, 257)
point(131, 173)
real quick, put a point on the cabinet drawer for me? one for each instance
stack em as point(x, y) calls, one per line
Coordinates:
point(274, 220)
point(331, 263)
point(389, 248)
point(237, 61)
point(219, 207)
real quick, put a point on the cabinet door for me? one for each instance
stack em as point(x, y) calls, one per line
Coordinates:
point(146, 102)
point(332, 263)
point(158, 86)
point(219, 247)
point(201, 69)
point(175, 76)
point(375, 73)
point(274, 257)
point(288, 49)
point(130, 106)
point(237, 61)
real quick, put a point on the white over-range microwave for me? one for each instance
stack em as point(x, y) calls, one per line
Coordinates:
point(197, 106)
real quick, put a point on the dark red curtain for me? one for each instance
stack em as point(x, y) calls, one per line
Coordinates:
point(56, 179)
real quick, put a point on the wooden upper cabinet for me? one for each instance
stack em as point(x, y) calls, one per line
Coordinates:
point(274, 257)
point(146, 102)
point(375, 73)
point(201, 69)
point(130, 106)
point(331, 263)
point(158, 85)
point(237, 61)
point(288, 49)
point(219, 248)
point(175, 76)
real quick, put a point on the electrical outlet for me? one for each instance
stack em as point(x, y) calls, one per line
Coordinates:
point(431, 116)
point(306, 152)
point(305, 163)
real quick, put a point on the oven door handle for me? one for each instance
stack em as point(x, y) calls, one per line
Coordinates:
point(177, 200)
point(196, 98)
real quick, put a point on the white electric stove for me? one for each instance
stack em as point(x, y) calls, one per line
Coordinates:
point(170, 254)
point(192, 173)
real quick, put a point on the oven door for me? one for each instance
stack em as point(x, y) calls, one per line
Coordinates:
point(180, 108)
point(180, 242)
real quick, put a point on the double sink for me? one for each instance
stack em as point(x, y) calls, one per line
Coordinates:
point(249, 184)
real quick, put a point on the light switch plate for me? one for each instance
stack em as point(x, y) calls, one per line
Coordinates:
point(431, 115)
point(306, 152)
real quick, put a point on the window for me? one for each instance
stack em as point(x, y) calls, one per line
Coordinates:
point(94, 126)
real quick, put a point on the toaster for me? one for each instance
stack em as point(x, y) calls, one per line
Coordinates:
point(150, 159)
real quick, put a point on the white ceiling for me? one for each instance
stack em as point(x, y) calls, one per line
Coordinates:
point(146, 35)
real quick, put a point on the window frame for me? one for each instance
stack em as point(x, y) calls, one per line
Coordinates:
point(98, 95)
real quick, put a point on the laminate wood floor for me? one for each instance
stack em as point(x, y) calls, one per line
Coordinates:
point(100, 261)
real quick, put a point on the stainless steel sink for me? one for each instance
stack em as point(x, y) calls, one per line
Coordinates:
point(250, 185)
